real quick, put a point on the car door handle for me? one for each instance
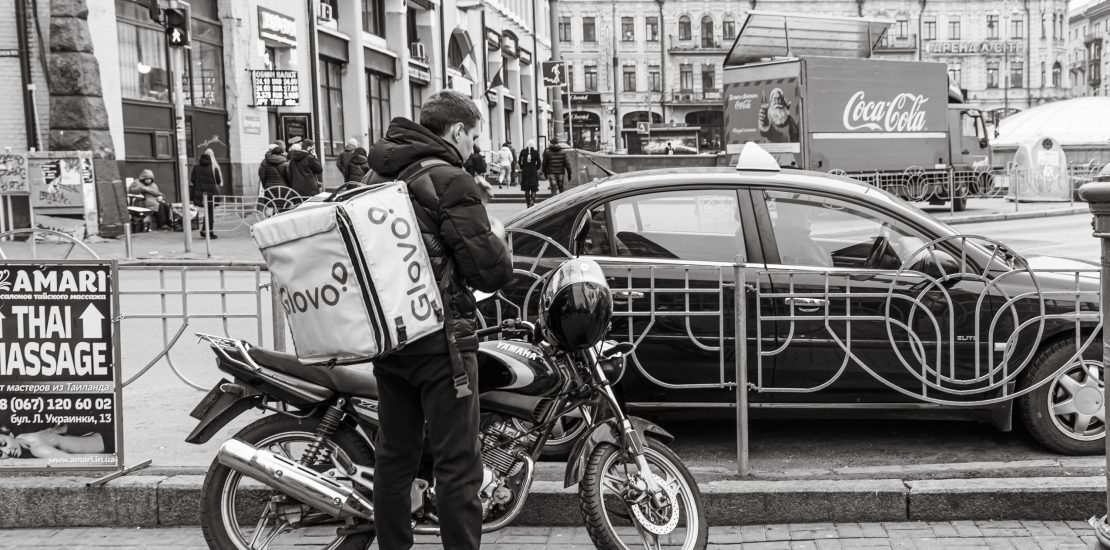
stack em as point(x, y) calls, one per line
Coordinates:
point(623, 295)
point(807, 303)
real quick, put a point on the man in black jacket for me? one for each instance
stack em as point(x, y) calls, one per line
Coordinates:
point(416, 383)
point(555, 166)
point(305, 169)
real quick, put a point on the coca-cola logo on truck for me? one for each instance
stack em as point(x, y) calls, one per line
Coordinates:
point(902, 113)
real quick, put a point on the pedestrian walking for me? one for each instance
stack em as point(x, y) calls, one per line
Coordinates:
point(530, 165)
point(504, 165)
point(344, 160)
point(555, 166)
point(274, 170)
point(305, 169)
point(669, 150)
point(415, 384)
point(205, 180)
point(153, 198)
point(357, 166)
point(475, 164)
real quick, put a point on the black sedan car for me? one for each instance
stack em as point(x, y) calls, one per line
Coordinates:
point(853, 300)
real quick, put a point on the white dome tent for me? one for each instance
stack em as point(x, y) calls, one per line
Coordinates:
point(1079, 125)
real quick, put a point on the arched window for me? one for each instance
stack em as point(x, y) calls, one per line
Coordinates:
point(1056, 74)
point(630, 120)
point(728, 28)
point(684, 28)
point(707, 32)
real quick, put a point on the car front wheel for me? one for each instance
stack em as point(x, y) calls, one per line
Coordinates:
point(1067, 414)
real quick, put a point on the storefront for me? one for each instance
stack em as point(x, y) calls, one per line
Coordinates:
point(710, 125)
point(147, 94)
point(419, 78)
point(584, 128)
point(279, 88)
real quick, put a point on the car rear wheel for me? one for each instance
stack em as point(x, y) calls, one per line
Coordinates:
point(1067, 414)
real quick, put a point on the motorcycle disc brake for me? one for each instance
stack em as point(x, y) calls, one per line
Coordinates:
point(651, 518)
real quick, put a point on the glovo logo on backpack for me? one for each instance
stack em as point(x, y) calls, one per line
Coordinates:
point(420, 298)
point(327, 295)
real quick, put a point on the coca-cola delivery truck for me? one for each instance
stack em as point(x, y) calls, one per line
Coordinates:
point(888, 122)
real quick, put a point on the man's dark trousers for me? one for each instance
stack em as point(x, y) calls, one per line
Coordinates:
point(412, 388)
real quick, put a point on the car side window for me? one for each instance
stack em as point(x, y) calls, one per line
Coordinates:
point(692, 225)
point(817, 231)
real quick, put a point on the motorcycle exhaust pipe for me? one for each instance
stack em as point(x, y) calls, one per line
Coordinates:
point(295, 480)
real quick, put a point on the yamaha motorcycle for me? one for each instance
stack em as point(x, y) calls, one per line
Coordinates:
point(306, 471)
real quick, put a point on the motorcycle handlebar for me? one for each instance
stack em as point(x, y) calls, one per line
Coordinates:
point(510, 324)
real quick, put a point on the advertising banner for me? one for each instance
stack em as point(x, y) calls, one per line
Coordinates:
point(59, 366)
point(867, 96)
point(57, 179)
point(13, 174)
point(276, 88)
point(765, 111)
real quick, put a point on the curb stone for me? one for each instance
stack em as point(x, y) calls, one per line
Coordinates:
point(150, 501)
point(1007, 216)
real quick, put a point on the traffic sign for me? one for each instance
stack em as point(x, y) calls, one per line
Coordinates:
point(176, 21)
point(554, 73)
point(643, 128)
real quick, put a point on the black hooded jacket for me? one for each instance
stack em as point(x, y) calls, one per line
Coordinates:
point(555, 161)
point(452, 218)
point(304, 172)
point(274, 171)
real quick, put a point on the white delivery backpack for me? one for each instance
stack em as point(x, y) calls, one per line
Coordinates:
point(352, 273)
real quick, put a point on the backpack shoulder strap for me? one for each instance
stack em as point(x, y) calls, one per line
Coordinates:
point(418, 169)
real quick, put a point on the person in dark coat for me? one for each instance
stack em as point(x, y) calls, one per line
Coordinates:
point(475, 164)
point(530, 165)
point(416, 384)
point(206, 180)
point(344, 160)
point(304, 169)
point(274, 171)
point(153, 199)
point(358, 165)
point(555, 166)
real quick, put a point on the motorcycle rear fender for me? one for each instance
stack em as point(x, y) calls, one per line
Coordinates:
point(606, 432)
point(226, 407)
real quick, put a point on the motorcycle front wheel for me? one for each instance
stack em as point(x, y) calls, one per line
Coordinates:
point(239, 513)
point(620, 516)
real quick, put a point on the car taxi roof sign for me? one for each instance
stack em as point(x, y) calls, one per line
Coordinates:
point(755, 158)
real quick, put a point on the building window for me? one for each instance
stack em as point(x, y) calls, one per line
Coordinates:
point(1054, 24)
point(377, 90)
point(707, 32)
point(416, 92)
point(992, 74)
point(651, 25)
point(684, 28)
point(205, 85)
point(686, 77)
point(570, 78)
point(373, 17)
point(992, 27)
point(728, 28)
point(629, 78)
point(953, 27)
point(1017, 75)
point(628, 29)
point(589, 30)
point(1042, 25)
point(707, 80)
point(654, 80)
point(333, 95)
point(144, 72)
point(564, 29)
point(955, 74)
point(929, 28)
point(1017, 28)
point(902, 25)
point(1043, 75)
point(591, 78)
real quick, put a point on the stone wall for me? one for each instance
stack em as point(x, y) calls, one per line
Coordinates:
point(78, 117)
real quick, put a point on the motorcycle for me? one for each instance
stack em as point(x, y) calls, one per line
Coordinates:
point(308, 469)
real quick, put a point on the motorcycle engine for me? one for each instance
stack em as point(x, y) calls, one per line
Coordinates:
point(503, 449)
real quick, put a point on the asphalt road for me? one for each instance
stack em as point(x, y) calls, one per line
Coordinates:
point(157, 405)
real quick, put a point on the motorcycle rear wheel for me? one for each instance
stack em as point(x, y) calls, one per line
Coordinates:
point(288, 436)
point(611, 521)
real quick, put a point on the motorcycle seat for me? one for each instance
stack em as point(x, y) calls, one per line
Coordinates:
point(357, 380)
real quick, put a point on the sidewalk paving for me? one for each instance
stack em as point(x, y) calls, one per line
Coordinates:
point(1056, 535)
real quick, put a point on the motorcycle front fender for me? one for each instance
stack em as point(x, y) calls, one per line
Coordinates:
point(218, 408)
point(606, 432)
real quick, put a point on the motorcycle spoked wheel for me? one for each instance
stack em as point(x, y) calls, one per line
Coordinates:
point(614, 523)
point(230, 517)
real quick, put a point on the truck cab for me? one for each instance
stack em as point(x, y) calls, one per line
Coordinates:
point(970, 147)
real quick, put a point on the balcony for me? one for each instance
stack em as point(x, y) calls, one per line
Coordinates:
point(1078, 66)
point(692, 97)
point(897, 44)
point(1092, 38)
point(697, 45)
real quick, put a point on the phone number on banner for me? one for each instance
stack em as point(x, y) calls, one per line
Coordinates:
point(55, 404)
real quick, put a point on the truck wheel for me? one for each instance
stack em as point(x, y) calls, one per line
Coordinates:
point(960, 204)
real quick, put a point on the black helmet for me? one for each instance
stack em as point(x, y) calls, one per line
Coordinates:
point(576, 306)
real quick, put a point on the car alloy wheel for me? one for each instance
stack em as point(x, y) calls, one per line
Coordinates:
point(1075, 398)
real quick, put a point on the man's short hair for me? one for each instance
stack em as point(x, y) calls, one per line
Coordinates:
point(448, 107)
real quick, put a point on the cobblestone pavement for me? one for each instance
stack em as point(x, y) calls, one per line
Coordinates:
point(1019, 535)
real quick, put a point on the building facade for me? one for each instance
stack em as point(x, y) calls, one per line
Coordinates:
point(665, 56)
point(1088, 33)
point(260, 70)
